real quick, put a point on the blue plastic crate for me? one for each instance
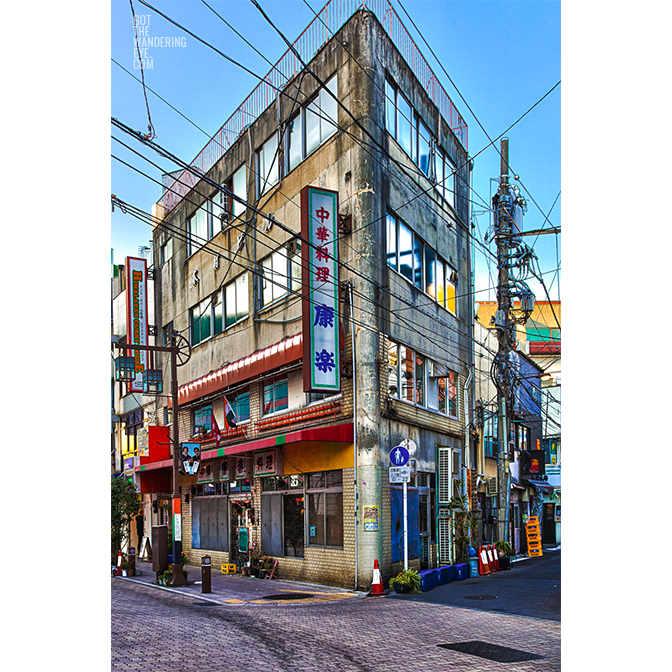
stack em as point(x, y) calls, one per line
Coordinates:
point(462, 571)
point(447, 573)
point(429, 579)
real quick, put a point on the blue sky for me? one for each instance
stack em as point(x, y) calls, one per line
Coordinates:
point(503, 56)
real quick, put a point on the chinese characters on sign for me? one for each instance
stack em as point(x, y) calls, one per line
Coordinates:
point(265, 463)
point(319, 226)
point(136, 316)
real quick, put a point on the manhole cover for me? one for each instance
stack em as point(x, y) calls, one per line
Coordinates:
point(479, 597)
point(288, 596)
point(500, 654)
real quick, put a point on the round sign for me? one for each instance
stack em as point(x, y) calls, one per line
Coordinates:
point(410, 446)
point(399, 456)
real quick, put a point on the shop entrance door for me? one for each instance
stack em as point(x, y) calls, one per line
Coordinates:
point(242, 520)
point(548, 531)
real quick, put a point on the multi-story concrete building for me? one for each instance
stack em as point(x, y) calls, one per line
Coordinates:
point(325, 295)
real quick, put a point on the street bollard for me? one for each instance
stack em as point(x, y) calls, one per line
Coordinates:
point(205, 574)
point(131, 561)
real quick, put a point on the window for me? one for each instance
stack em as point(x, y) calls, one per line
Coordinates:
point(268, 166)
point(220, 311)
point(197, 229)
point(240, 190)
point(200, 317)
point(423, 381)
point(281, 274)
point(406, 127)
point(240, 404)
point(314, 125)
point(490, 440)
point(293, 525)
point(325, 508)
point(420, 264)
point(166, 251)
point(168, 333)
point(237, 300)
point(275, 395)
point(202, 420)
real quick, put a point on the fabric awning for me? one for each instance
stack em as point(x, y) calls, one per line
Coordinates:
point(279, 354)
point(542, 486)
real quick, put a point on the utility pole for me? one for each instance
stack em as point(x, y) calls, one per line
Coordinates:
point(505, 330)
point(508, 207)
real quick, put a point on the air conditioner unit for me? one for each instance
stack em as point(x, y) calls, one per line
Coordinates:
point(491, 486)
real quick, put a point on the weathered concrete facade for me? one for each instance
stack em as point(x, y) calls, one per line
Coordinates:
point(373, 176)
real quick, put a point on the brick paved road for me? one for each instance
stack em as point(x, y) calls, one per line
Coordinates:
point(164, 632)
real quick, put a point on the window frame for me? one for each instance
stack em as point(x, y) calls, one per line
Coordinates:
point(274, 381)
point(444, 295)
point(324, 490)
point(292, 275)
point(325, 129)
point(265, 179)
point(417, 388)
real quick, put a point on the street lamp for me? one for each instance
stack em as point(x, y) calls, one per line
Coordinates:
point(124, 369)
point(152, 382)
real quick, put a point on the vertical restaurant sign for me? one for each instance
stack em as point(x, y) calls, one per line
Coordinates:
point(321, 320)
point(136, 316)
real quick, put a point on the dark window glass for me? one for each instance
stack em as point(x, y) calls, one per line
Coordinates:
point(391, 242)
point(430, 275)
point(417, 262)
point(294, 525)
point(334, 518)
point(316, 502)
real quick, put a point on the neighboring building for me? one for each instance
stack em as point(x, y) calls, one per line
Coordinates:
point(132, 412)
point(304, 474)
point(540, 340)
point(526, 464)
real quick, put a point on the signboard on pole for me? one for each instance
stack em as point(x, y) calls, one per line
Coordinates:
point(319, 260)
point(137, 326)
point(399, 456)
point(400, 474)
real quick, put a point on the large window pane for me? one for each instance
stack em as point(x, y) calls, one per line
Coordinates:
point(312, 126)
point(390, 109)
point(293, 525)
point(419, 380)
point(329, 107)
point(391, 242)
point(440, 282)
point(430, 280)
point(405, 252)
point(450, 292)
point(406, 361)
point(393, 370)
point(432, 387)
point(449, 184)
point(404, 125)
point(242, 297)
point(334, 519)
point(423, 147)
point(239, 189)
point(217, 312)
point(268, 164)
point(417, 262)
point(295, 141)
point(316, 503)
point(230, 293)
point(452, 393)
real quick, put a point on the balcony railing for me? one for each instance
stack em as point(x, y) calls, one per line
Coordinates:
point(320, 30)
point(272, 424)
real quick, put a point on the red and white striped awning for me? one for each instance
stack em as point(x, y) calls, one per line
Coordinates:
point(280, 354)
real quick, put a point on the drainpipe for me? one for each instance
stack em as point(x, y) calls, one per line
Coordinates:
point(467, 420)
point(354, 416)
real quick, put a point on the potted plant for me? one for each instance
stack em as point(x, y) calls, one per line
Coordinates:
point(504, 551)
point(407, 581)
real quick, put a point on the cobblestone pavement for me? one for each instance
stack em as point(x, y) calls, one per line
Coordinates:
point(167, 632)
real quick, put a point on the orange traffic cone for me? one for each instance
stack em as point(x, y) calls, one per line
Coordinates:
point(494, 557)
point(377, 585)
point(483, 566)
